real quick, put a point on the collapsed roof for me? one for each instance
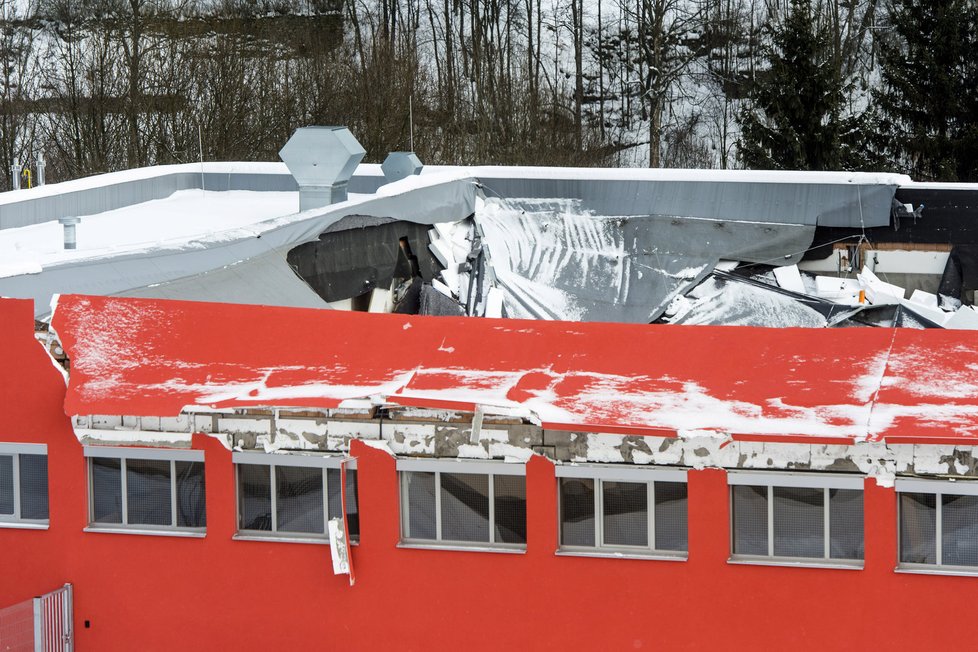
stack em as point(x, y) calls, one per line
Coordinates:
point(636, 246)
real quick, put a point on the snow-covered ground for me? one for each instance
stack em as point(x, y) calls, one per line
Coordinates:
point(183, 215)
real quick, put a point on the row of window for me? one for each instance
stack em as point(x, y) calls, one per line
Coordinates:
point(791, 518)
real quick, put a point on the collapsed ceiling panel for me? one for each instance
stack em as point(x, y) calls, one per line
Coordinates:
point(555, 260)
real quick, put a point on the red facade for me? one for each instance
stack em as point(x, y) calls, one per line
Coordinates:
point(135, 592)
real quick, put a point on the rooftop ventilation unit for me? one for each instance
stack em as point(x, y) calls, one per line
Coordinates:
point(400, 165)
point(322, 160)
point(69, 231)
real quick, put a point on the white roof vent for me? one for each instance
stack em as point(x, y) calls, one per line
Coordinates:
point(322, 160)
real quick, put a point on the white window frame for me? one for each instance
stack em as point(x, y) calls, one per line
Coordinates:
point(123, 454)
point(15, 520)
point(937, 488)
point(273, 460)
point(647, 475)
point(824, 481)
point(491, 469)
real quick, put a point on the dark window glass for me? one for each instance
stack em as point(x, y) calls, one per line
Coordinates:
point(959, 530)
point(148, 492)
point(352, 505)
point(464, 507)
point(626, 513)
point(918, 528)
point(846, 523)
point(577, 511)
point(671, 531)
point(106, 490)
point(34, 487)
point(421, 505)
point(335, 500)
point(750, 520)
point(191, 497)
point(799, 522)
point(6, 484)
point(255, 497)
point(299, 499)
point(510, 508)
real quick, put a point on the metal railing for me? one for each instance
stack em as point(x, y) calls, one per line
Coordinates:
point(42, 624)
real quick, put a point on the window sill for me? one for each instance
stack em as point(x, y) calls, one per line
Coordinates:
point(23, 525)
point(614, 554)
point(796, 563)
point(416, 545)
point(931, 569)
point(281, 538)
point(192, 534)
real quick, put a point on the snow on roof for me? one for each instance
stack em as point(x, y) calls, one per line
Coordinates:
point(156, 357)
point(184, 214)
point(140, 174)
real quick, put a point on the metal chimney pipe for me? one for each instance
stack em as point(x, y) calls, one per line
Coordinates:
point(40, 168)
point(69, 225)
point(15, 174)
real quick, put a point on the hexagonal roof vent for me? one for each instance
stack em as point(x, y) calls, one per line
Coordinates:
point(322, 160)
point(400, 165)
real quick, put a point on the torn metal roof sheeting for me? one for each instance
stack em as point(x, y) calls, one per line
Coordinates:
point(556, 260)
point(154, 358)
point(828, 199)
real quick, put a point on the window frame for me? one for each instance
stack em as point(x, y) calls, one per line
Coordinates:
point(600, 474)
point(800, 480)
point(933, 487)
point(123, 453)
point(439, 466)
point(15, 521)
point(273, 460)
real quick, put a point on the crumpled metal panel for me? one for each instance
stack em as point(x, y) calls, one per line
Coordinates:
point(830, 200)
point(556, 260)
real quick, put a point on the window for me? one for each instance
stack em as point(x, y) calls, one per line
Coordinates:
point(801, 518)
point(463, 504)
point(24, 485)
point(295, 509)
point(938, 525)
point(621, 497)
point(146, 490)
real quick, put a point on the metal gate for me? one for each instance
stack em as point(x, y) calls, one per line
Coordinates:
point(42, 624)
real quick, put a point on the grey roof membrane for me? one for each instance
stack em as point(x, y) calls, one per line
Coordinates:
point(594, 249)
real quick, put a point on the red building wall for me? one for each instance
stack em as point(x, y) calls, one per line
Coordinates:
point(166, 593)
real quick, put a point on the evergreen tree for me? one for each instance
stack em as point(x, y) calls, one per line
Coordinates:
point(793, 119)
point(928, 99)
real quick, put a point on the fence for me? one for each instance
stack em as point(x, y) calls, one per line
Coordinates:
point(42, 624)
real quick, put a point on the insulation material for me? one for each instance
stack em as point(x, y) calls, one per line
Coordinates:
point(964, 318)
point(839, 290)
point(922, 298)
point(879, 292)
point(155, 358)
point(789, 278)
point(930, 312)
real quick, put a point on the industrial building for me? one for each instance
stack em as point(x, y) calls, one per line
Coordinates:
point(325, 404)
